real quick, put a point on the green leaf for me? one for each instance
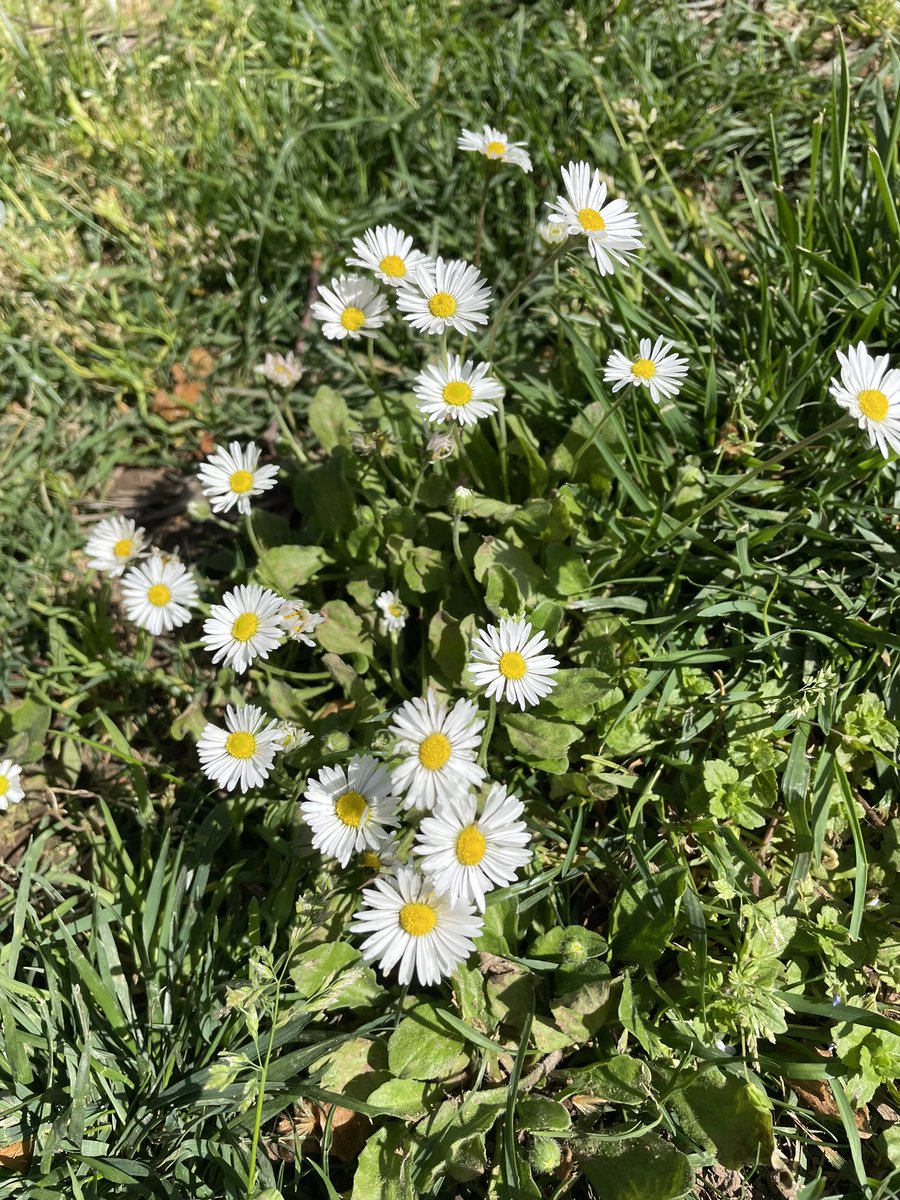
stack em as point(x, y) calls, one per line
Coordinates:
point(580, 1013)
point(342, 631)
point(617, 1080)
point(568, 943)
point(502, 595)
point(543, 744)
point(567, 570)
point(329, 418)
point(287, 568)
point(735, 1115)
point(447, 644)
point(335, 974)
point(537, 1114)
point(643, 1168)
point(643, 917)
point(421, 1047)
point(384, 1170)
point(400, 1097)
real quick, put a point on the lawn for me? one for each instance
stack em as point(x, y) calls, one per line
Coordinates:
point(692, 985)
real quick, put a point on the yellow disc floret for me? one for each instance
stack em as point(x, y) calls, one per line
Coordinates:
point(240, 745)
point(495, 149)
point(434, 751)
point(457, 393)
point(417, 919)
point(643, 369)
point(350, 808)
point(123, 548)
point(873, 404)
point(159, 595)
point(241, 482)
point(353, 318)
point(590, 220)
point(244, 627)
point(4, 785)
point(471, 846)
point(442, 304)
point(512, 665)
point(393, 266)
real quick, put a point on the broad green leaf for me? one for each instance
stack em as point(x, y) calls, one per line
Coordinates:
point(287, 568)
point(342, 631)
point(567, 570)
point(735, 1115)
point(421, 1047)
point(329, 418)
point(643, 918)
point(384, 1168)
point(617, 1080)
point(642, 1168)
point(543, 744)
point(538, 1114)
point(400, 1097)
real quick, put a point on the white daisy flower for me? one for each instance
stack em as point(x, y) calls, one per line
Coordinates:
point(298, 621)
point(553, 231)
point(456, 391)
point(284, 370)
point(393, 610)
point(870, 393)
point(351, 307)
point(403, 920)
point(350, 810)
point(245, 625)
point(440, 745)
point(383, 860)
point(611, 228)
point(231, 477)
point(241, 755)
point(388, 252)
point(292, 736)
point(439, 446)
point(496, 146)
point(445, 295)
point(508, 663)
point(158, 594)
point(114, 544)
point(466, 855)
point(11, 790)
point(663, 373)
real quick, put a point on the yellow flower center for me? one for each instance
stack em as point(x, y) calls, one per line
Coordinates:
point(434, 751)
point(241, 482)
point(442, 304)
point(470, 846)
point(350, 808)
point(457, 393)
point(495, 149)
point(244, 627)
point(393, 265)
point(397, 610)
point(512, 665)
point(643, 369)
point(417, 919)
point(590, 220)
point(159, 595)
point(353, 318)
point(4, 785)
point(123, 548)
point(372, 860)
point(873, 404)
point(240, 745)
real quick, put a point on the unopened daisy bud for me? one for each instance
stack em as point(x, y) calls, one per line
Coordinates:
point(393, 610)
point(114, 544)
point(292, 736)
point(553, 231)
point(299, 622)
point(463, 500)
point(544, 1155)
point(439, 446)
point(282, 370)
point(574, 951)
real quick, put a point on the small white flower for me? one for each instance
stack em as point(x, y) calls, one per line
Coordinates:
point(440, 745)
point(466, 855)
point(241, 755)
point(231, 477)
point(383, 860)
point(663, 373)
point(388, 252)
point(292, 737)
point(496, 146)
point(554, 231)
point(439, 446)
point(870, 393)
point(11, 790)
point(298, 621)
point(456, 391)
point(508, 663)
point(158, 594)
point(350, 810)
point(403, 920)
point(114, 544)
point(283, 370)
point(611, 228)
point(445, 295)
point(245, 625)
point(351, 307)
point(393, 610)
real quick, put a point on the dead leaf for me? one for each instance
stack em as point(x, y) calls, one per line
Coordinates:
point(189, 393)
point(201, 362)
point(17, 1156)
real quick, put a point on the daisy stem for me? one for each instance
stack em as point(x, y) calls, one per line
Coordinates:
point(389, 474)
point(488, 730)
point(589, 440)
point(479, 228)
point(396, 678)
point(376, 388)
point(285, 419)
point(251, 534)
point(464, 455)
point(464, 566)
point(260, 1100)
point(414, 494)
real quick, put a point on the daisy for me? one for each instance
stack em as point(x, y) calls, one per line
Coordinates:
point(11, 790)
point(508, 663)
point(393, 610)
point(298, 621)
point(351, 307)
point(403, 920)
point(871, 394)
point(388, 252)
point(439, 446)
point(246, 624)
point(496, 146)
point(349, 811)
point(383, 860)
point(282, 370)
point(663, 373)
point(158, 594)
point(292, 737)
point(440, 745)
point(466, 855)
point(241, 755)
point(231, 477)
point(456, 391)
point(115, 543)
point(611, 228)
point(553, 231)
point(445, 295)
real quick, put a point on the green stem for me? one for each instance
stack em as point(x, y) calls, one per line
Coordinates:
point(464, 566)
point(479, 228)
point(389, 474)
point(414, 494)
point(299, 452)
point(504, 308)
point(251, 534)
point(260, 1100)
point(488, 730)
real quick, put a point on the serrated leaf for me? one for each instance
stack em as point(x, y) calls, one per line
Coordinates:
point(617, 1080)
point(543, 744)
point(342, 631)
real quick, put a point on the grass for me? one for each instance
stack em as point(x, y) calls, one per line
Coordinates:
point(711, 788)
